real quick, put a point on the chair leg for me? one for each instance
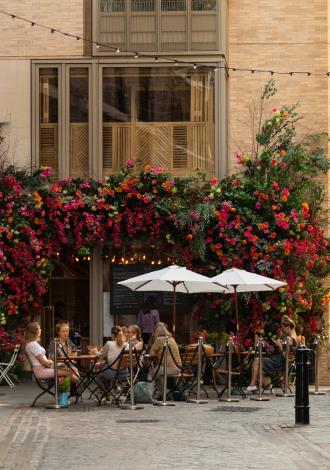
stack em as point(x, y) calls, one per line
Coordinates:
point(44, 391)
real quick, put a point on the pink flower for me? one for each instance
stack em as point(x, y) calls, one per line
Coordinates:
point(130, 163)
point(46, 172)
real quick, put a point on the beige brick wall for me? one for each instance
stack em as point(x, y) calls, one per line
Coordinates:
point(18, 39)
point(284, 36)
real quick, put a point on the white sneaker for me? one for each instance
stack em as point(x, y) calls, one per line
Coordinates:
point(251, 388)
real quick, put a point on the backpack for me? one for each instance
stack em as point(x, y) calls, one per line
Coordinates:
point(142, 393)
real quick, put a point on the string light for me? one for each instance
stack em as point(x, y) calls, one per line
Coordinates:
point(170, 60)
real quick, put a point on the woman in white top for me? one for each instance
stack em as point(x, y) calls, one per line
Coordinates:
point(43, 368)
point(111, 351)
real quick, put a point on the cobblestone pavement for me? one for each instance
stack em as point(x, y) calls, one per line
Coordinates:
point(248, 435)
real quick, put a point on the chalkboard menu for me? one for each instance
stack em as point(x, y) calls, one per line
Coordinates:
point(124, 301)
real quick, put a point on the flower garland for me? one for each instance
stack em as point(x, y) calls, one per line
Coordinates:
point(264, 219)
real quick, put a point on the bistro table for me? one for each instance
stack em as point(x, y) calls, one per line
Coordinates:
point(87, 376)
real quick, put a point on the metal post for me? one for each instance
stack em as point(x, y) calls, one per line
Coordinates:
point(230, 366)
point(132, 406)
point(316, 365)
point(199, 374)
point(260, 397)
point(55, 405)
point(286, 371)
point(302, 397)
point(164, 402)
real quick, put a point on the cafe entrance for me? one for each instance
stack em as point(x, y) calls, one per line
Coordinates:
point(68, 300)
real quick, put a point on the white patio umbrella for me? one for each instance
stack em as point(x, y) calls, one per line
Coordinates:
point(238, 280)
point(173, 278)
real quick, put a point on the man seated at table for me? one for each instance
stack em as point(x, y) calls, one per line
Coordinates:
point(65, 347)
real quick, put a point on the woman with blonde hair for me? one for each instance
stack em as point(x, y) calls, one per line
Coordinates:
point(134, 332)
point(173, 359)
point(111, 353)
point(42, 367)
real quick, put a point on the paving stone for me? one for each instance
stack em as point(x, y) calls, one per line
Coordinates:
point(185, 437)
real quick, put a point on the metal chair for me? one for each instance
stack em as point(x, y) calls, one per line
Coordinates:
point(6, 366)
point(45, 385)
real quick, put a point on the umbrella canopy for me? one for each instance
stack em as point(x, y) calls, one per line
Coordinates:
point(238, 280)
point(244, 281)
point(173, 278)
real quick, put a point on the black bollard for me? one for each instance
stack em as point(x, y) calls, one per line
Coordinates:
point(302, 395)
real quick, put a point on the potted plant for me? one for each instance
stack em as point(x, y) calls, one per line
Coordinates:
point(64, 385)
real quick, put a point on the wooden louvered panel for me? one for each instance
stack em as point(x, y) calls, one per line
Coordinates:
point(48, 146)
point(173, 31)
point(123, 145)
point(78, 150)
point(107, 147)
point(199, 152)
point(198, 98)
point(143, 146)
point(161, 146)
point(203, 34)
point(143, 31)
point(180, 147)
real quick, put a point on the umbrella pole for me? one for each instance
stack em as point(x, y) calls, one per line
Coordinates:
point(237, 325)
point(174, 309)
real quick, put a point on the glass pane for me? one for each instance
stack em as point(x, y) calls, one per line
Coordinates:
point(164, 99)
point(79, 142)
point(163, 116)
point(173, 5)
point(114, 6)
point(143, 5)
point(204, 5)
point(48, 118)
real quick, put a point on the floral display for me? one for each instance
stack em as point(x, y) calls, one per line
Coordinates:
point(266, 218)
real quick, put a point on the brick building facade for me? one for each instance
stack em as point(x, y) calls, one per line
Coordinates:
point(55, 91)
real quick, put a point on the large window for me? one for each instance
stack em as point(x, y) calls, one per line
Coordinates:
point(48, 118)
point(161, 116)
point(79, 118)
point(158, 25)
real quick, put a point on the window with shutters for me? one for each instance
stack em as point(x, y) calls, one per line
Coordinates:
point(48, 118)
point(63, 120)
point(163, 116)
point(158, 25)
point(160, 116)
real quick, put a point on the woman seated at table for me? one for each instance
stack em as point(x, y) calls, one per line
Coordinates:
point(156, 351)
point(134, 332)
point(274, 364)
point(65, 347)
point(111, 353)
point(42, 367)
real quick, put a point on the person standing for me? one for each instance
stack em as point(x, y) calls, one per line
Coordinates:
point(147, 319)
